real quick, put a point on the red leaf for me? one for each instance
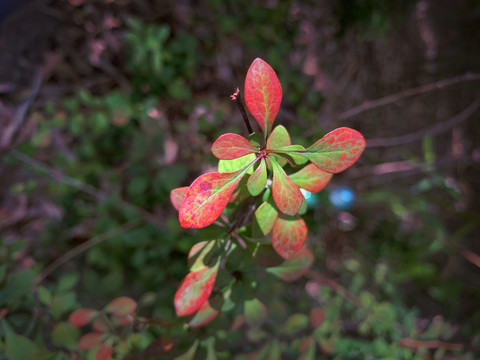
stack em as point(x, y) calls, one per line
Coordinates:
point(337, 150)
point(159, 346)
point(195, 290)
point(311, 178)
point(177, 195)
point(286, 194)
point(104, 352)
point(99, 325)
point(294, 267)
point(81, 317)
point(232, 146)
point(288, 235)
point(204, 315)
point(90, 340)
point(263, 93)
point(121, 306)
point(317, 317)
point(207, 197)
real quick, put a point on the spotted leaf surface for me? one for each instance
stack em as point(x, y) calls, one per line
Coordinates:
point(286, 194)
point(311, 178)
point(177, 195)
point(294, 267)
point(337, 150)
point(207, 197)
point(257, 181)
point(288, 235)
point(263, 93)
point(278, 138)
point(195, 290)
point(232, 146)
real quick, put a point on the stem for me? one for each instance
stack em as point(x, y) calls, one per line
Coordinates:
point(238, 100)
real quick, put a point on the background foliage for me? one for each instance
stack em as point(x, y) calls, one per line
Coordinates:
point(108, 105)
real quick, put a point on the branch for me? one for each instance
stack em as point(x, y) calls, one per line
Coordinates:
point(434, 130)
point(83, 247)
point(373, 104)
point(238, 100)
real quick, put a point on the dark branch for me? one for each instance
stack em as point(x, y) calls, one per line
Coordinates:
point(238, 99)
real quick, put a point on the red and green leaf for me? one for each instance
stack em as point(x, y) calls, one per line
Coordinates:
point(279, 138)
point(294, 267)
point(204, 315)
point(195, 290)
point(286, 194)
point(121, 306)
point(257, 181)
point(263, 93)
point(104, 352)
point(311, 178)
point(90, 340)
point(207, 197)
point(265, 217)
point(177, 195)
point(288, 235)
point(336, 151)
point(232, 146)
point(82, 317)
point(200, 254)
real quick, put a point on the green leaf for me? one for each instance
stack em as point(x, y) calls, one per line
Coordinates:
point(195, 290)
point(200, 254)
point(294, 267)
point(207, 197)
point(232, 146)
point(225, 166)
point(288, 235)
point(19, 347)
point(255, 312)
point(295, 323)
point(263, 93)
point(257, 181)
point(278, 138)
point(190, 354)
point(286, 194)
point(311, 178)
point(65, 335)
point(67, 281)
point(265, 217)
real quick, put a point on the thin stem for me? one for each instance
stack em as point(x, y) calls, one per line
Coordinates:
point(83, 247)
point(238, 100)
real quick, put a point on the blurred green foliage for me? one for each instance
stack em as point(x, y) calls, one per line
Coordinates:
point(390, 282)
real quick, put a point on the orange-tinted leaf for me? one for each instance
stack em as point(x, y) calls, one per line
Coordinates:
point(207, 197)
point(232, 146)
point(288, 235)
point(311, 178)
point(177, 195)
point(204, 315)
point(90, 340)
point(257, 181)
point(121, 306)
point(278, 138)
point(81, 317)
point(286, 194)
point(195, 290)
point(104, 352)
point(263, 93)
point(294, 267)
point(337, 150)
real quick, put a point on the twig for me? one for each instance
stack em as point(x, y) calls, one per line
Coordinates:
point(429, 344)
point(238, 100)
point(83, 247)
point(434, 130)
point(373, 104)
point(98, 194)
